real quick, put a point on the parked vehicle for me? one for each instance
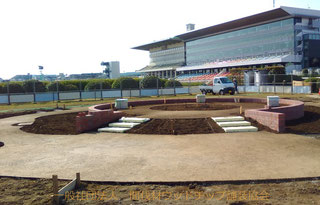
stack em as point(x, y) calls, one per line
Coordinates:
point(218, 85)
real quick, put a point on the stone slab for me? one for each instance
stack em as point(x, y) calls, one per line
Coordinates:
point(113, 129)
point(227, 119)
point(240, 129)
point(123, 124)
point(234, 124)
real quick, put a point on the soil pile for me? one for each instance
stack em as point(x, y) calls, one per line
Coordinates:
point(177, 127)
point(309, 124)
point(64, 124)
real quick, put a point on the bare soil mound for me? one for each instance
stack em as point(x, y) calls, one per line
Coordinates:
point(309, 124)
point(194, 106)
point(177, 127)
point(64, 124)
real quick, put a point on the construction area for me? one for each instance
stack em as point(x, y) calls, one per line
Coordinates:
point(172, 146)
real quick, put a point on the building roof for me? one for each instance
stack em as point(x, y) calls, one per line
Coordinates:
point(264, 17)
point(155, 44)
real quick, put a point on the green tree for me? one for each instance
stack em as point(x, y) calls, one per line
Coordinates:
point(172, 83)
point(150, 82)
point(95, 84)
point(126, 82)
point(28, 86)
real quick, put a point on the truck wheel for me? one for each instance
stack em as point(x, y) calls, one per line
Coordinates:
point(221, 92)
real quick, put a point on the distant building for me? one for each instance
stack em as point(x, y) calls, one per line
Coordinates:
point(284, 36)
point(130, 74)
point(1, 79)
point(84, 76)
point(112, 69)
point(34, 77)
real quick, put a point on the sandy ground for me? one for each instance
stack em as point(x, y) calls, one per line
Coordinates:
point(26, 191)
point(129, 157)
point(132, 157)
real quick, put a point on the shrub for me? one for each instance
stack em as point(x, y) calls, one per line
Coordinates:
point(16, 87)
point(28, 86)
point(172, 83)
point(315, 84)
point(63, 86)
point(162, 82)
point(150, 82)
point(95, 84)
point(126, 82)
point(3, 88)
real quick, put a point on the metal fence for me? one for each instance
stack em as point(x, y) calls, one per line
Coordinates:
point(246, 84)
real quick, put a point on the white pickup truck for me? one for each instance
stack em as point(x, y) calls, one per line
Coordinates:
point(221, 85)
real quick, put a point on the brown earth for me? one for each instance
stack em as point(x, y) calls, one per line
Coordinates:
point(52, 124)
point(39, 191)
point(177, 127)
point(309, 124)
point(194, 106)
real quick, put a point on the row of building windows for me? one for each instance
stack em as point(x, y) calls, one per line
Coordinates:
point(219, 47)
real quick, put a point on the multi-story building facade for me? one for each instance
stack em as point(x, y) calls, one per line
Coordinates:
point(284, 36)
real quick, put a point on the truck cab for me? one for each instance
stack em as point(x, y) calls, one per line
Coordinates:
point(220, 85)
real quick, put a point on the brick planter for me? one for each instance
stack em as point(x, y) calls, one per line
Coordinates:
point(274, 117)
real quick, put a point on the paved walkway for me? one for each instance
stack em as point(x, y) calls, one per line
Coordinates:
point(129, 157)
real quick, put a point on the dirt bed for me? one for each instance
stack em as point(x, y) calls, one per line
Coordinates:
point(309, 124)
point(31, 191)
point(53, 124)
point(177, 127)
point(193, 106)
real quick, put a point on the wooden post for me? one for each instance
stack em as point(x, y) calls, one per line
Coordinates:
point(164, 101)
point(240, 110)
point(78, 180)
point(55, 198)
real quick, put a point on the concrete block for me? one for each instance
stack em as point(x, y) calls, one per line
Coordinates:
point(227, 119)
point(273, 101)
point(123, 124)
point(121, 103)
point(240, 129)
point(234, 124)
point(200, 98)
point(134, 119)
point(113, 129)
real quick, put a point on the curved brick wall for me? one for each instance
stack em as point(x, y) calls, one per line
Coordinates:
point(273, 118)
point(97, 116)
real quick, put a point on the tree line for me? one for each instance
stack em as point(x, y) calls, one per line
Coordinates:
point(30, 86)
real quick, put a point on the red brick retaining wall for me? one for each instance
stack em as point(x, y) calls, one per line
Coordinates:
point(97, 116)
point(273, 118)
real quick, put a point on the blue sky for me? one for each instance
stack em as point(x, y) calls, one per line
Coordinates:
point(74, 36)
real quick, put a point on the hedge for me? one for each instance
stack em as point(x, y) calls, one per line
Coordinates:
point(30, 85)
point(95, 84)
point(63, 86)
point(172, 83)
point(315, 84)
point(127, 83)
point(150, 82)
